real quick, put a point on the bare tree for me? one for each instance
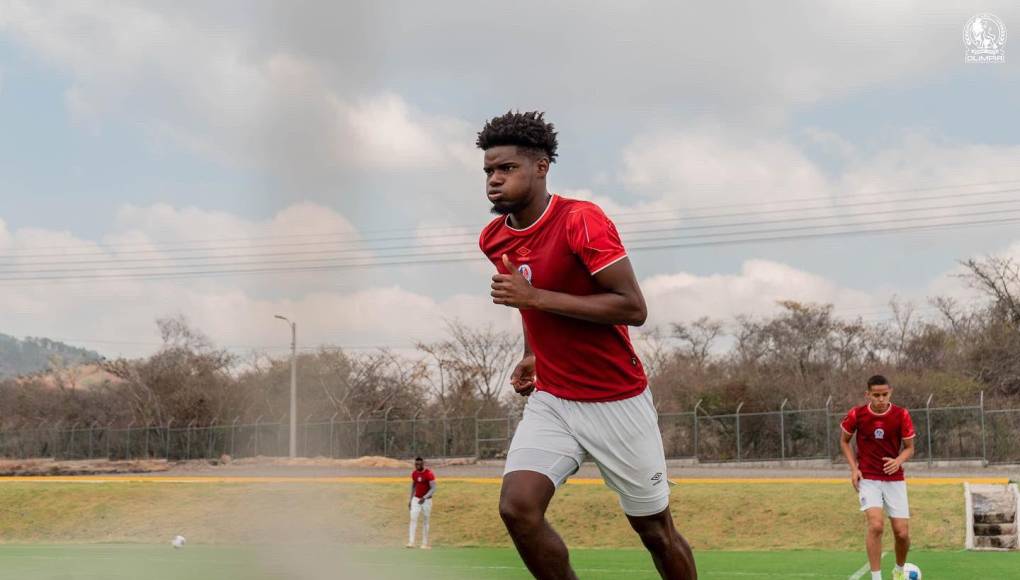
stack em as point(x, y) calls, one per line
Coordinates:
point(698, 337)
point(998, 278)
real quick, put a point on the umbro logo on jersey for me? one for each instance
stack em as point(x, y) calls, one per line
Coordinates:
point(656, 479)
point(523, 251)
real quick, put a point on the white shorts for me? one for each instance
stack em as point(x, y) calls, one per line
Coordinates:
point(621, 436)
point(889, 495)
point(417, 508)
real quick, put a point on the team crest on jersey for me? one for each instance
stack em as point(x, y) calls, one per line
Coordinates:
point(525, 271)
point(879, 433)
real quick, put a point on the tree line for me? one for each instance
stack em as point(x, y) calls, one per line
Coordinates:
point(803, 353)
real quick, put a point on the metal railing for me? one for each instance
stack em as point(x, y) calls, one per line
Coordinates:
point(943, 434)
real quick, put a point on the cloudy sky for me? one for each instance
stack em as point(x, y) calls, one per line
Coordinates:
point(229, 161)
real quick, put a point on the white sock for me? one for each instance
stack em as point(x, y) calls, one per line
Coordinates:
point(876, 575)
point(897, 568)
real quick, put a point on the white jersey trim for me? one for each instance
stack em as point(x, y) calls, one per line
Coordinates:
point(609, 264)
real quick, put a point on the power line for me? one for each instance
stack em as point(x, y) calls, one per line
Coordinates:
point(460, 256)
point(417, 232)
point(260, 255)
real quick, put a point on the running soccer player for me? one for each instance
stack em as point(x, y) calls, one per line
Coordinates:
point(561, 263)
point(423, 486)
point(885, 441)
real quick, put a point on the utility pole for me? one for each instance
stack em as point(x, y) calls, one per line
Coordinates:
point(293, 384)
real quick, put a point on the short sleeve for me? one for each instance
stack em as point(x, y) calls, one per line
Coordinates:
point(907, 430)
point(593, 238)
point(849, 423)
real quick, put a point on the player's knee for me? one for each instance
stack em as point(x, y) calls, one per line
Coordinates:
point(875, 528)
point(902, 534)
point(519, 513)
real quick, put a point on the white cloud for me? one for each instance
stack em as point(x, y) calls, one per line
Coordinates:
point(211, 92)
point(755, 291)
point(687, 168)
point(117, 315)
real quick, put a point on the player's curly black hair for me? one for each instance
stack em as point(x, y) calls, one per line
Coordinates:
point(526, 130)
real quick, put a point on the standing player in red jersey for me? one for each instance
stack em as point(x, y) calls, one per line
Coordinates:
point(423, 486)
point(885, 441)
point(561, 263)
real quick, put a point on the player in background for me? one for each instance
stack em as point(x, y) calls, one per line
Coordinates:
point(885, 441)
point(423, 486)
point(561, 263)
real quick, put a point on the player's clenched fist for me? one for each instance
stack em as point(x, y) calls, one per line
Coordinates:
point(512, 289)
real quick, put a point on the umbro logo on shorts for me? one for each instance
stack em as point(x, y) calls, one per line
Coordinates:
point(657, 479)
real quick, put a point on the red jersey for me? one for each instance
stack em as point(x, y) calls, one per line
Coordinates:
point(878, 436)
point(421, 481)
point(562, 251)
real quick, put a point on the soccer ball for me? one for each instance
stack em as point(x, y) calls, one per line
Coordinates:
point(179, 541)
point(911, 572)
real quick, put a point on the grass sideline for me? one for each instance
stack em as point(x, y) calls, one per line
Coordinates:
point(128, 562)
point(723, 516)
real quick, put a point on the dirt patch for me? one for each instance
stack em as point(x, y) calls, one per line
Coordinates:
point(89, 467)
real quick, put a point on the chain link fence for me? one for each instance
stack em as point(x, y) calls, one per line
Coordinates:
point(943, 434)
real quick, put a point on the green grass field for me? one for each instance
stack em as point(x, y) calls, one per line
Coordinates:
point(308, 531)
point(134, 561)
point(729, 516)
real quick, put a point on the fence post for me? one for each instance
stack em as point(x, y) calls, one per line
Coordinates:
point(233, 425)
point(445, 436)
point(697, 406)
point(357, 435)
point(984, 438)
point(279, 427)
point(257, 421)
point(56, 436)
point(332, 437)
point(92, 430)
point(414, 432)
point(40, 439)
point(828, 429)
point(386, 433)
point(209, 450)
point(109, 431)
point(782, 431)
point(739, 407)
point(127, 446)
point(74, 432)
point(477, 435)
point(187, 439)
point(307, 419)
point(170, 422)
point(927, 414)
point(148, 426)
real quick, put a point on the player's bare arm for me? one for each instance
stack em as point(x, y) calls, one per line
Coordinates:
point(429, 493)
point(851, 459)
point(621, 303)
point(893, 464)
point(523, 377)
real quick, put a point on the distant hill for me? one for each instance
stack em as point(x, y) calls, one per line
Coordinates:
point(34, 355)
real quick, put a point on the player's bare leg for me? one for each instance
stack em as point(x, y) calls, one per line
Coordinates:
point(901, 530)
point(873, 543)
point(670, 552)
point(522, 503)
